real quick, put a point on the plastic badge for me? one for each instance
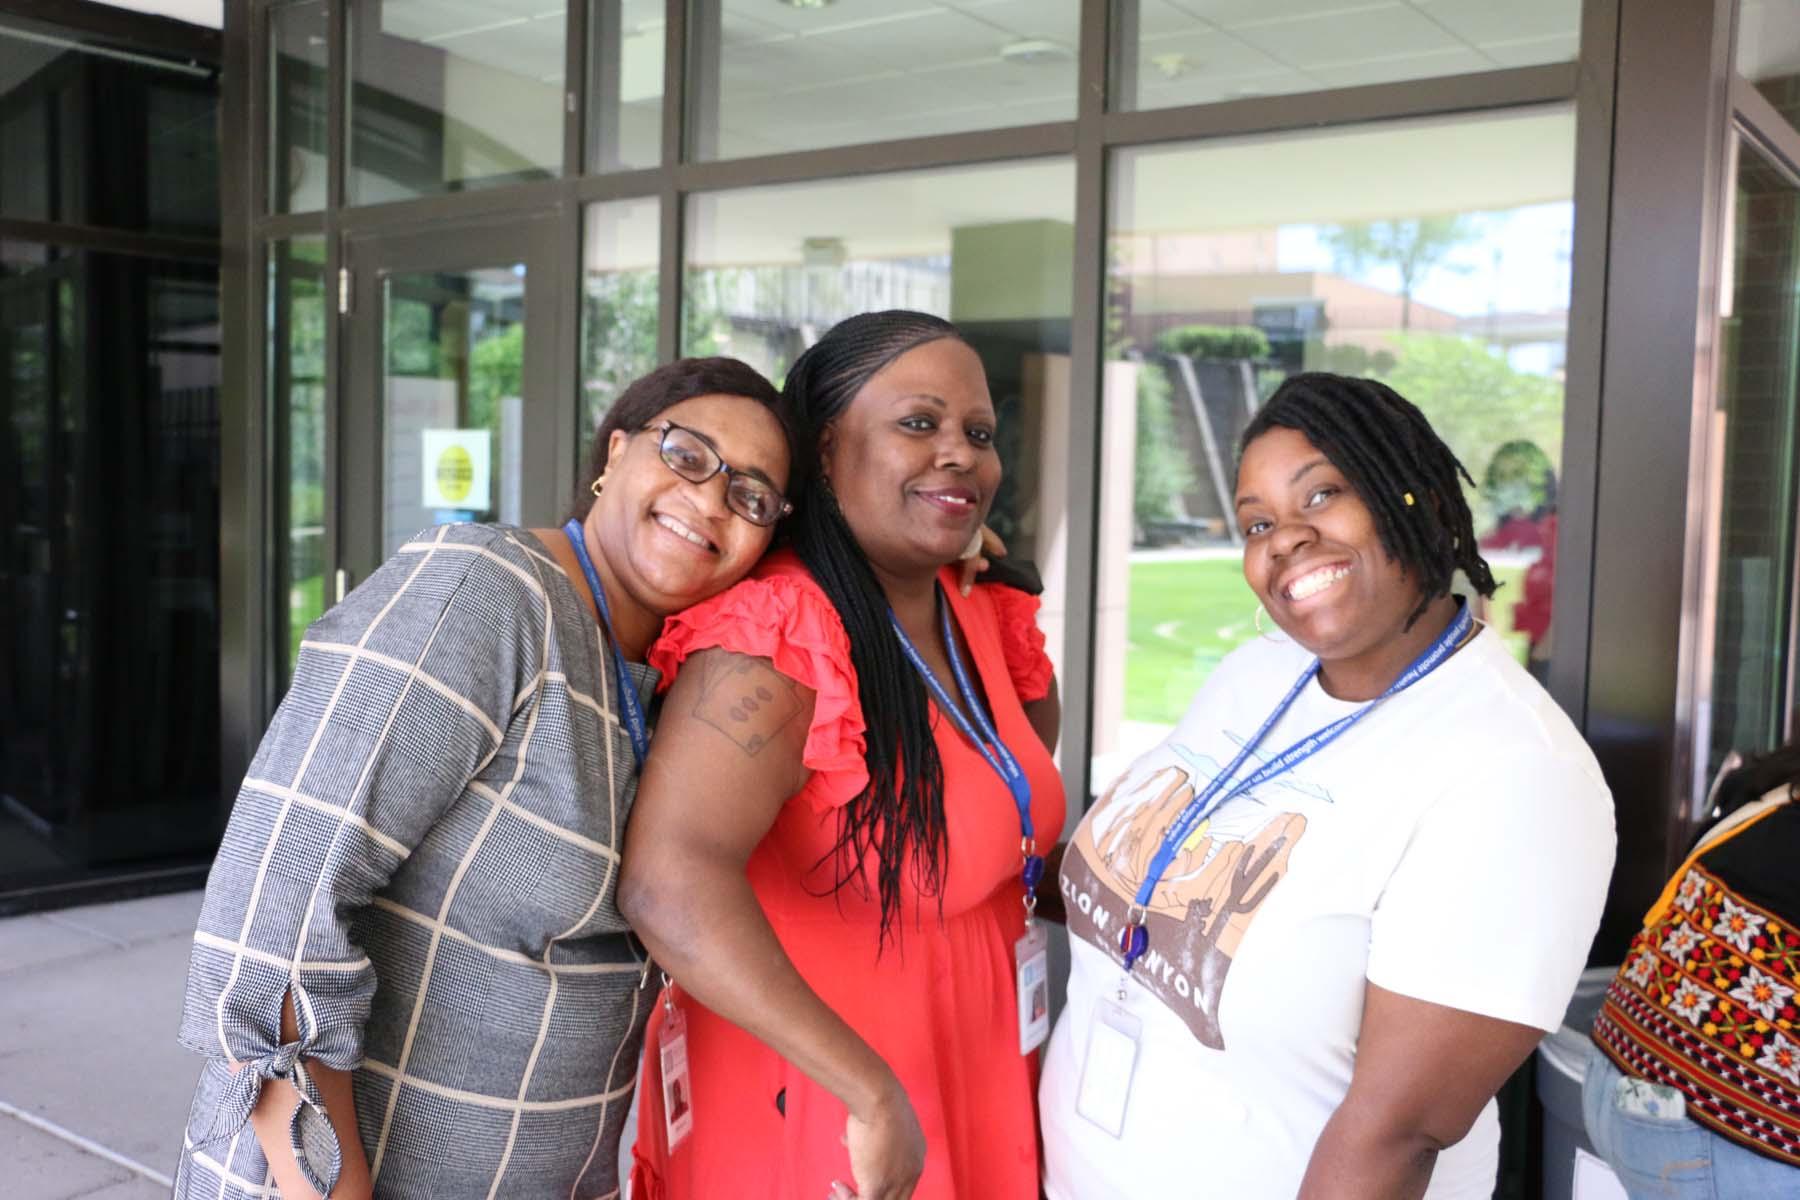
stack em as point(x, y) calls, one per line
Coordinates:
point(678, 1092)
point(1031, 956)
point(1112, 1053)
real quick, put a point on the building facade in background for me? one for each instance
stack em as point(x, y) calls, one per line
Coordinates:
point(276, 295)
point(110, 399)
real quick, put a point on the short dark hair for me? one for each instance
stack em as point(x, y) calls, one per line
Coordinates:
point(670, 384)
point(1388, 452)
point(899, 814)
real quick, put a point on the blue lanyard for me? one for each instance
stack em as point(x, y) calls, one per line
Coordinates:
point(986, 739)
point(1134, 938)
point(628, 697)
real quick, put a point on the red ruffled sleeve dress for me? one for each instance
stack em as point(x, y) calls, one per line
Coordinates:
point(938, 1004)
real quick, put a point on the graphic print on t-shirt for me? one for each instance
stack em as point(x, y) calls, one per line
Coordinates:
point(1206, 900)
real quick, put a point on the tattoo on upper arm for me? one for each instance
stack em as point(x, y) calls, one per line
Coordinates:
point(747, 700)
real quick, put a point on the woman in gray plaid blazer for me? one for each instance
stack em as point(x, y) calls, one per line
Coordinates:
point(410, 977)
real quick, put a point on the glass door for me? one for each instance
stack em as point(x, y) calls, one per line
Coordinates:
point(109, 564)
point(1746, 703)
point(451, 413)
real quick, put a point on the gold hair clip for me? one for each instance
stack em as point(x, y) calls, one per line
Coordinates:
point(1409, 500)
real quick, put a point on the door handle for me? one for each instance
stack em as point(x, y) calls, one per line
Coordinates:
point(342, 585)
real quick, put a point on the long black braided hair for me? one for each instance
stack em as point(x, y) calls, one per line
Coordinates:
point(1388, 452)
point(899, 815)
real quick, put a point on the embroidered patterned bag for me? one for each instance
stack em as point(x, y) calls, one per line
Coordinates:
point(1706, 999)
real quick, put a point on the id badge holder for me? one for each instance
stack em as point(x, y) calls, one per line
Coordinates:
point(677, 1088)
point(1106, 1071)
point(1031, 961)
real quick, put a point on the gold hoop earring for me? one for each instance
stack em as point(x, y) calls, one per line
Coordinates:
point(595, 486)
point(1257, 621)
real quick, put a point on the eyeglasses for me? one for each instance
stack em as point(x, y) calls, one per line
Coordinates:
point(692, 457)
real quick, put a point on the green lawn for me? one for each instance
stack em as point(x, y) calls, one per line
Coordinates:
point(1187, 615)
point(1184, 617)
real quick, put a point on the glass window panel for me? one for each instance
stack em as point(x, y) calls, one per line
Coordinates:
point(455, 410)
point(183, 159)
point(770, 77)
point(109, 726)
point(299, 64)
point(618, 303)
point(991, 248)
point(297, 319)
point(450, 95)
point(1754, 427)
point(1183, 53)
point(625, 84)
point(92, 136)
point(1432, 255)
point(29, 98)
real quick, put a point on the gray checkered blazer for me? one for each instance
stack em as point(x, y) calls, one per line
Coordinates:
point(425, 852)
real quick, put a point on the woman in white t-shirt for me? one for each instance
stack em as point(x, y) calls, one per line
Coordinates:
point(1318, 926)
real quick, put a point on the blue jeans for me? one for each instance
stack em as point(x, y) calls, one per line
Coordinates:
point(1675, 1158)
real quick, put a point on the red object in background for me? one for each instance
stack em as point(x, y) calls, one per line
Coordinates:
point(1531, 615)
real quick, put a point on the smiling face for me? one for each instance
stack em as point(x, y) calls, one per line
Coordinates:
point(671, 543)
point(1312, 553)
point(912, 459)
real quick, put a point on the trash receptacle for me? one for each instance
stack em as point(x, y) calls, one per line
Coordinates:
point(1561, 1066)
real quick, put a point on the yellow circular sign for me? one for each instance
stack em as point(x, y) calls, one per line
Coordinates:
point(455, 472)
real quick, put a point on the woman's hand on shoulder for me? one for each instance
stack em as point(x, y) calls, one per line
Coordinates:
point(983, 548)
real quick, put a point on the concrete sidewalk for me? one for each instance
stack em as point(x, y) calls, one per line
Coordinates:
point(93, 1088)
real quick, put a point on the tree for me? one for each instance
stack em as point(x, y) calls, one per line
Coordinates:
point(1477, 401)
point(496, 369)
point(1163, 473)
point(618, 337)
point(1414, 246)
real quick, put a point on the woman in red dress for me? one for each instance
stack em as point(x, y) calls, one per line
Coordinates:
point(835, 825)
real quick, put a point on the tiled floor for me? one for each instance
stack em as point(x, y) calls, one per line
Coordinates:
point(90, 999)
point(89, 1003)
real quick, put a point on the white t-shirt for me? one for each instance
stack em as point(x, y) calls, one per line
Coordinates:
point(1453, 846)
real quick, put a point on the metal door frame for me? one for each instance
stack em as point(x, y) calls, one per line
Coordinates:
point(356, 416)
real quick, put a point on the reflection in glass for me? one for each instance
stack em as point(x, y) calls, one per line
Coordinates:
point(299, 62)
point(1182, 53)
point(770, 269)
point(769, 77)
point(297, 318)
point(454, 416)
point(1755, 424)
point(94, 137)
point(625, 84)
point(28, 107)
point(619, 296)
point(1435, 257)
point(449, 95)
point(109, 571)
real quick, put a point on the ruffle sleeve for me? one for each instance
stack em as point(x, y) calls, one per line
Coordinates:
point(1021, 641)
point(787, 620)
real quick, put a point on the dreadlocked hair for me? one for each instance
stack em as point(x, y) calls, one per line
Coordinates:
point(899, 815)
point(1390, 454)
